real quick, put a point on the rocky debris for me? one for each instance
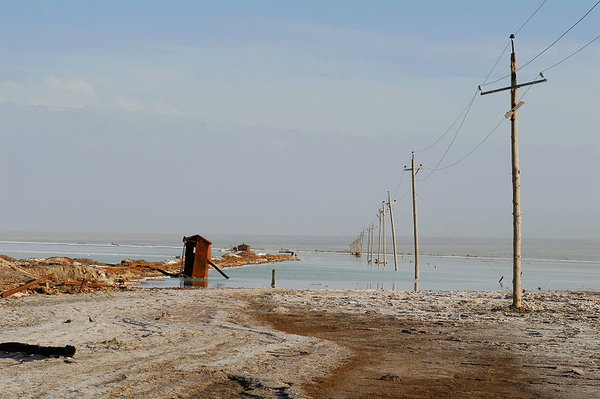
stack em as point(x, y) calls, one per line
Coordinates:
point(70, 275)
point(85, 275)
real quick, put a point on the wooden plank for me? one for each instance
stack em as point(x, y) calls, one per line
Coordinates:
point(26, 286)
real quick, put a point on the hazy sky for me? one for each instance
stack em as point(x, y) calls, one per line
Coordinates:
point(291, 117)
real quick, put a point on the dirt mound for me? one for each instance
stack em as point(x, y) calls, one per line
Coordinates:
point(7, 258)
point(12, 276)
point(56, 261)
point(72, 272)
point(17, 272)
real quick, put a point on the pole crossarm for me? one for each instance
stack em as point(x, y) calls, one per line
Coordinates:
point(483, 93)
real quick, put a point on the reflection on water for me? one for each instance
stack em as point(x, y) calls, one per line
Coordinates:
point(189, 282)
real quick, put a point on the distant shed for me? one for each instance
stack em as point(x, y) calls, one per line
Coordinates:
point(242, 248)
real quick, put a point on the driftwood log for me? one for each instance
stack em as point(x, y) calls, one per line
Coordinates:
point(26, 286)
point(68, 350)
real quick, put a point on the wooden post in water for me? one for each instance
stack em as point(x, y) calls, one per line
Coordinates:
point(390, 203)
point(273, 280)
point(516, 171)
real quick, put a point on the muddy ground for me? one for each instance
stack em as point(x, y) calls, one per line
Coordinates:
point(272, 343)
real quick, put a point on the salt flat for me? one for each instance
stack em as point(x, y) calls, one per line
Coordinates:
point(303, 343)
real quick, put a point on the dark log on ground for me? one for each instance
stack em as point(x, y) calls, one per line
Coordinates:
point(68, 350)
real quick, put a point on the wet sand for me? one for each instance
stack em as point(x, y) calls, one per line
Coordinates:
point(218, 343)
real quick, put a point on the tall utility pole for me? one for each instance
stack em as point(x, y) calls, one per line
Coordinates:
point(378, 260)
point(372, 240)
point(383, 237)
point(369, 244)
point(389, 204)
point(414, 172)
point(516, 171)
point(362, 239)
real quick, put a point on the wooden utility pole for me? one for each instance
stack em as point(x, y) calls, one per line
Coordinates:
point(516, 171)
point(362, 239)
point(383, 237)
point(414, 172)
point(389, 204)
point(372, 240)
point(378, 260)
point(369, 244)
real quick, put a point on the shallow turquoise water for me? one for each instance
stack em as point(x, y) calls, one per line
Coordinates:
point(339, 271)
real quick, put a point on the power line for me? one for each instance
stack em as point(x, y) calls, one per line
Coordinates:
point(572, 54)
point(473, 150)
point(560, 37)
point(549, 46)
point(466, 106)
point(449, 128)
point(480, 143)
point(399, 182)
point(531, 16)
point(455, 135)
point(496, 64)
point(484, 81)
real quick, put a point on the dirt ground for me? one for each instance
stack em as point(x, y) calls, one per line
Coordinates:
point(454, 345)
point(411, 359)
point(274, 343)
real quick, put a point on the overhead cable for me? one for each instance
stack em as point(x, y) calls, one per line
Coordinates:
point(549, 46)
point(455, 135)
point(572, 54)
point(478, 145)
point(484, 81)
point(561, 36)
point(531, 16)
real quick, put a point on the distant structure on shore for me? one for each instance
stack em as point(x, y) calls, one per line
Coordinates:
point(242, 248)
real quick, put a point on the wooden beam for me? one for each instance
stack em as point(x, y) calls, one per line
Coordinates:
point(28, 285)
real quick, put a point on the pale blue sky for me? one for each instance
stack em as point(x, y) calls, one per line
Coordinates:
point(289, 117)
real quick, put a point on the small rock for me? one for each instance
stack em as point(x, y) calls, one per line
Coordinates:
point(577, 371)
point(67, 321)
point(279, 309)
point(389, 377)
point(113, 341)
point(91, 319)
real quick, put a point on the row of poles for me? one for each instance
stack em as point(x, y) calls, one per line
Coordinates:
point(387, 208)
point(516, 188)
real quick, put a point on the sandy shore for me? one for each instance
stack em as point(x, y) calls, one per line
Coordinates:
point(216, 343)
